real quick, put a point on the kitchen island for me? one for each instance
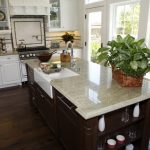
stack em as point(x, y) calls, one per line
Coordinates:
point(81, 101)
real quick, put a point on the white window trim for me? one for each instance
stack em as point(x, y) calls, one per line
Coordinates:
point(148, 29)
point(112, 14)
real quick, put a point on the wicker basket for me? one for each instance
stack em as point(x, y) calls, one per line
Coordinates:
point(124, 80)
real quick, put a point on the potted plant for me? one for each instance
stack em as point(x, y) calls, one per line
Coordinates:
point(68, 37)
point(129, 59)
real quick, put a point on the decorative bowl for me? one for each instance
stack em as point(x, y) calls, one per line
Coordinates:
point(44, 57)
point(49, 68)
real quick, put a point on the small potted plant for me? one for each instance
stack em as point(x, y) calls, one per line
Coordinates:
point(68, 37)
point(129, 59)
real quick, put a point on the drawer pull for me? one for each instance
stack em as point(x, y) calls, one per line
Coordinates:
point(69, 107)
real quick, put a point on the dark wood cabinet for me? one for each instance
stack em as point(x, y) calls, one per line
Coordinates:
point(44, 104)
point(46, 107)
point(76, 133)
point(68, 124)
point(133, 130)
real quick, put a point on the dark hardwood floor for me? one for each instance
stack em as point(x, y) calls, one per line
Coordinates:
point(21, 127)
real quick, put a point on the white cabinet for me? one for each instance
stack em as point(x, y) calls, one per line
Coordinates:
point(4, 19)
point(69, 14)
point(55, 19)
point(9, 71)
point(68, 20)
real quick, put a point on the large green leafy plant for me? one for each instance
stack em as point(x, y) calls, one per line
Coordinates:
point(127, 54)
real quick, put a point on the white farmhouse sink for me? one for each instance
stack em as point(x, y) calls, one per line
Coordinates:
point(44, 79)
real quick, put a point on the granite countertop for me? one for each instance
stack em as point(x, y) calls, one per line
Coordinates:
point(94, 92)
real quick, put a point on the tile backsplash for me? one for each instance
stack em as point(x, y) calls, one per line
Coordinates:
point(7, 39)
point(52, 39)
point(55, 37)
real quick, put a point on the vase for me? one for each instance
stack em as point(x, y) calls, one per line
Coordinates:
point(101, 124)
point(125, 80)
point(136, 110)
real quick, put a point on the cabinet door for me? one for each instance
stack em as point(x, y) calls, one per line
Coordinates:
point(55, 21)
point(11, 72)
point(49, 112)
point(46, 107)
point(68, 125)
point(68, 18)
point(69, 14)
point(5, 20)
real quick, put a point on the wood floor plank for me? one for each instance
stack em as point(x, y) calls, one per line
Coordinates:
point(21, 127)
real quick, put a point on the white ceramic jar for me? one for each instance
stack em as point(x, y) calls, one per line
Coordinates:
point(101, 123)
point(136, 110)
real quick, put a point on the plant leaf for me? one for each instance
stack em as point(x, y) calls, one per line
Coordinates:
point(140, 42)
point(137, 56)
point(102, 56)
point(143, 64)
point(134, 65)
point(119, 38)
point(102, 49)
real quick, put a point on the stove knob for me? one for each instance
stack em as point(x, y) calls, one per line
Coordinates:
point(31, 54)
point(27, 55)
point(22, 56)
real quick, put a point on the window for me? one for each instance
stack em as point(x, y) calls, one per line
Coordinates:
point(125, 19)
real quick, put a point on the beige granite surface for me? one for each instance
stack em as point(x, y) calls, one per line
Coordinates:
point(94, 92)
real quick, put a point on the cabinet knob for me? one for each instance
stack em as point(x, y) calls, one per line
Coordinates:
point(42, 96)
point(33, 98)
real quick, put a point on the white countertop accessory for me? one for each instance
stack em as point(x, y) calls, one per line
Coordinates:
point(111, 143)
point(136, 111)
point(101, 123)
point(120, 139)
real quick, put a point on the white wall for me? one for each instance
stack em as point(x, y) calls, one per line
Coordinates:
point(144, 15)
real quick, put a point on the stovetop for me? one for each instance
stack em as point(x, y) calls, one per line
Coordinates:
point(30, 54)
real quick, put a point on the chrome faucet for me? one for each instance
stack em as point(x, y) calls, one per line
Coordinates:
point(70, 44)
point(3, 45)
point(22, 44)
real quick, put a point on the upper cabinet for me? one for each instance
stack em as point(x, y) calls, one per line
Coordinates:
point(29, 7)
point(63, 15)
point(55, 16)
point(4, 17)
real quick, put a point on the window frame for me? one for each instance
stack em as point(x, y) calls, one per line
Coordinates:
point(113, 15)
